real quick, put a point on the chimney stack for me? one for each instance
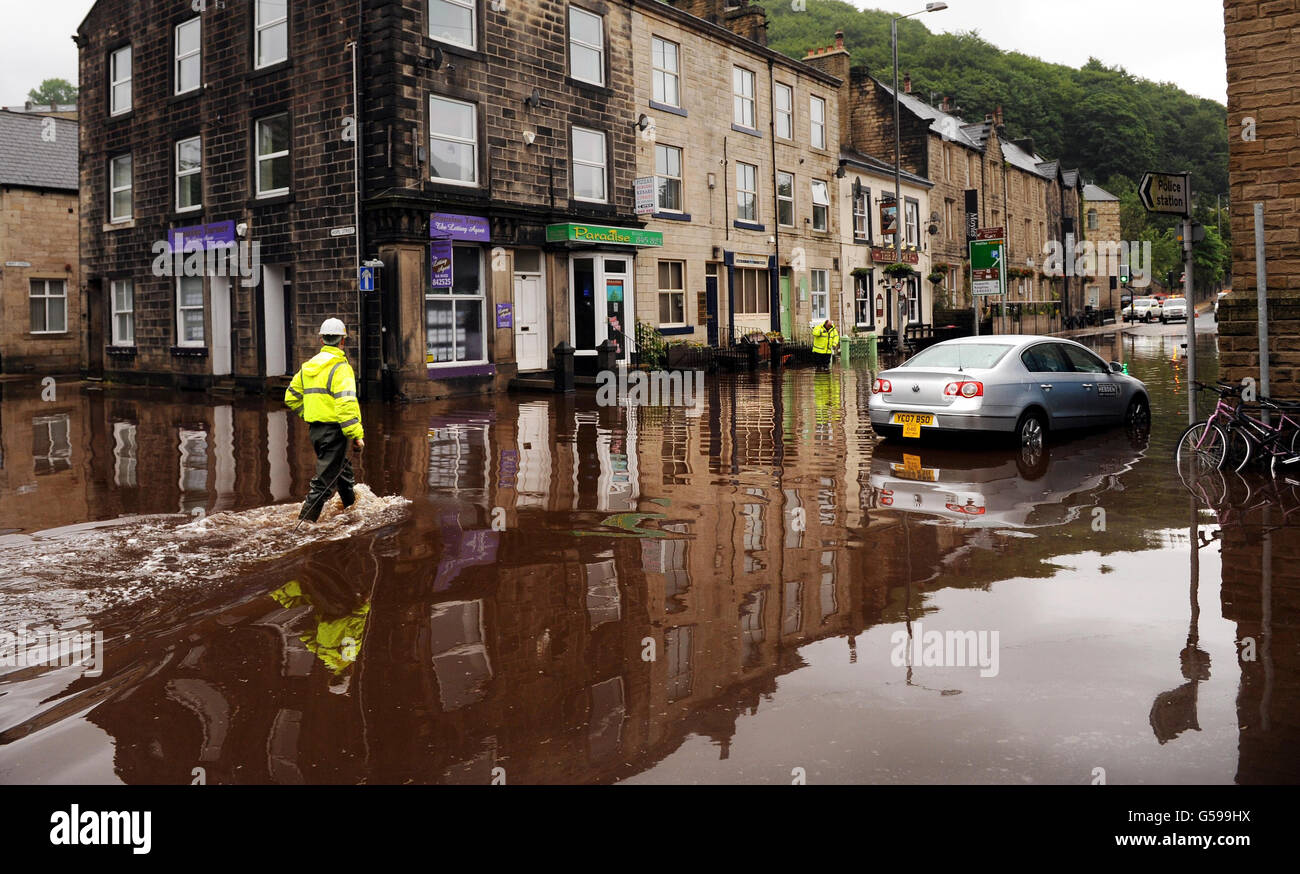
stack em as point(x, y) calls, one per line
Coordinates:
point(907, 83)
point(944, 104)
point(839, 39)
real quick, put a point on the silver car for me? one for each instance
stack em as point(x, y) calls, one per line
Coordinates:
point(1018, 385)
point(1174, 310)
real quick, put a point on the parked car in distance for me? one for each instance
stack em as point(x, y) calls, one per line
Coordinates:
point(1141, 309)
point(1012, 384)
point(1174, 310)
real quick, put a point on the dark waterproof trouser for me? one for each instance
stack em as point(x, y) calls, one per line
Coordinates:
point(333, 469)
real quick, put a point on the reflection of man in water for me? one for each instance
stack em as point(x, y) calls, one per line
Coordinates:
point(341, 617)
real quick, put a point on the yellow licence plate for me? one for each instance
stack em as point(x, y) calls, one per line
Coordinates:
point(912, 422)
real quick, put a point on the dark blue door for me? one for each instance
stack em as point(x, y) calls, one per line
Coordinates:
point(711, 305)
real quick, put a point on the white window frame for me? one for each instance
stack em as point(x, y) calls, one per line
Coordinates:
point(671, 292)
point(180, 59)
point(911, 222)
point(742, 169)
point(260, 27)
point(663, 74)
point(913, 289)
point(681, 192)
point(269, 156)
point(452, 138)
point(864, 291)
point(794, 214)
point(479, 298)
point(182, 175)
point(742, 101)
point(117, 336)
point(113, 190)
point(784, 114)
point(603, 165)
point(115, 80)
point(598, 48)
point(48, 297)
point(819, 294)
point(817, 126)
point(472, 6)
point(862, 230)
point(1093, 220)
point(181, 309)
point(825, 208)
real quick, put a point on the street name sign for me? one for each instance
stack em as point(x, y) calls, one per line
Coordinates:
point(1166, 193)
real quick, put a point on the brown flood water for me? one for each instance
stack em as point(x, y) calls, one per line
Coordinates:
point(535, 589)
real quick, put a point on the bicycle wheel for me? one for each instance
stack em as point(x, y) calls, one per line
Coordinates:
point(1241, 449)
point(1202, 448)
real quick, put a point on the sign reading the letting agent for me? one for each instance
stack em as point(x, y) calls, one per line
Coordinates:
point(201, 237)
point(1166, 193)
point(987, 262)
point(466, 228)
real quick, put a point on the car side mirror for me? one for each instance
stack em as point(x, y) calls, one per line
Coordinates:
point(1116, 367)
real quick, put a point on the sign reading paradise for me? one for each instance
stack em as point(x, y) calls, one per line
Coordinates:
point(574, 233)
point(987, 268)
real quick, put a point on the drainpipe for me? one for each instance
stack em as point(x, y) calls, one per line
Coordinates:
point(356, 194)
point(775, 281)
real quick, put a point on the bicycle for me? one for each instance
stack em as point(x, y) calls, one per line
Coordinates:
point(1204, 446)
point(1281, 442)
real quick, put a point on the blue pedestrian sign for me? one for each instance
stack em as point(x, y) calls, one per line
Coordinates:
point(367, 278)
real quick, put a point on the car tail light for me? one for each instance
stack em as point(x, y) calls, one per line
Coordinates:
point(968, 509)
point(882, 386)
point(965, 389)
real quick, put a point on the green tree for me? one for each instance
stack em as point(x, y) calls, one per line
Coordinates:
point(53, 91)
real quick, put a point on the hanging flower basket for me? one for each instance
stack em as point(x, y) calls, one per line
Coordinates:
point(899, 270)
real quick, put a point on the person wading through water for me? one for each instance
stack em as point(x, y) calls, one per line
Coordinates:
point(826, 342)
point(324, 393)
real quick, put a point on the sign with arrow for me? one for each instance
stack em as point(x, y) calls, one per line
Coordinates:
point(1166, 193)
point(987, 262)
point(366, 275)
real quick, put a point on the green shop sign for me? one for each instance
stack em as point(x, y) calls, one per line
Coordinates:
point(600, 234)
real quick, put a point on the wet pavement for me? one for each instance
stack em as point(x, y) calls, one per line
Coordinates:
point(535, 589)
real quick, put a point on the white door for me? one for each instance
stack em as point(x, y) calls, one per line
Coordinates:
point(273, 321)
point(221, 326)
point(530, 322)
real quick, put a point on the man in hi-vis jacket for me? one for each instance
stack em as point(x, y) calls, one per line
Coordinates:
point(324, 393)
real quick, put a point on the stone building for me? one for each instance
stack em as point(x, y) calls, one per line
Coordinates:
point(742, 148)
point(41, 309)
point(1101, 225)
point(1263, 54)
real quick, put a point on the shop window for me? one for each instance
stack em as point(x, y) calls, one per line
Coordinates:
point(454, 322)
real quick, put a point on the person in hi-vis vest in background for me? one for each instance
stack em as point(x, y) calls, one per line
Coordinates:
point(324, 393)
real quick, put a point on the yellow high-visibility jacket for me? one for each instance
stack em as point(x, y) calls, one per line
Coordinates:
point(825, 339)
point(325, 390)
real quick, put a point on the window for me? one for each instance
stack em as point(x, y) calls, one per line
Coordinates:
point(119, 81)
point(947, 162)
point(970, 169)
point(912, 214)
point(453, 317)
point(672, 293)
point(821, 199)
point(119, 183)
point(588, 165)
point(1082, 360)
point(273, 156)
point(1092, 219)
point(189, 311)
point(1045, 358)
point(51, 444)
point(862, 214)
point(271, 22)
point(189, 174)
point(668, 178)
point(820, 295)
point(863, 314)
point(746, 192)
point(452, 21)
point(751, 291)
point(49, 305)
point(783, 99)
point(785, 199)
point(586, 46)
point(453, 141)
point(913, 300)
point(122, 292)
point(743, 90)
point(817, 119)
point(189, 57)
point(664, 59)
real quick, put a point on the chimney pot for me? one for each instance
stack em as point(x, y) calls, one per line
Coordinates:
point(839, 39)
point(907, 83)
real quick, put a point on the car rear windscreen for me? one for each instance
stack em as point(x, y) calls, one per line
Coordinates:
point(959, 356)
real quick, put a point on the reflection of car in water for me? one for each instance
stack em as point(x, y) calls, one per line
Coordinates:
point(1028, 487)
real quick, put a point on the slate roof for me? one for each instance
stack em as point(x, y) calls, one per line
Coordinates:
point(1018, 157)
point(883, 168)
point(1070, 178)
point(28, 161)
point(1096, 193)
point(950, 126)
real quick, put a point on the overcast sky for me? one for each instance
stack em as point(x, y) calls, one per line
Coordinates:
point(1179, 41)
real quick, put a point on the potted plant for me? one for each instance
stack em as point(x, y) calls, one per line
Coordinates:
point(899, 270)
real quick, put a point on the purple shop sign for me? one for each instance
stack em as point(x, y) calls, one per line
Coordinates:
point(505, 315)
point(466, 228)
point(440, 263)
point(201, 237)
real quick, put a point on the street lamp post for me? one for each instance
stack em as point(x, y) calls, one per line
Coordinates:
point(898, 147)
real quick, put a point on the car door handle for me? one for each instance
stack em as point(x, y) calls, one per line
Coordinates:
point(1086, 384)
point(1047, 386)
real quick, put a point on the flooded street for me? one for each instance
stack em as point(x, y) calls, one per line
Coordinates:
point(536, 589)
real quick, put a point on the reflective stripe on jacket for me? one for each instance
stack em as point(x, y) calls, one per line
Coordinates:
point(325, 390)
point(825, 339)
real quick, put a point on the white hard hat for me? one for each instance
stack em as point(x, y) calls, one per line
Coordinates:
point(333, 328)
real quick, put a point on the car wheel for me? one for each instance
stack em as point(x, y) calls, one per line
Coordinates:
point(1031, 430)
point(1138, 414)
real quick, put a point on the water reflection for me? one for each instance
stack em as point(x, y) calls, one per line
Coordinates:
point(589, 594)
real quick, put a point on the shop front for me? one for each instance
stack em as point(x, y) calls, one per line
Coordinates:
point(455, 302)
point(600, 283)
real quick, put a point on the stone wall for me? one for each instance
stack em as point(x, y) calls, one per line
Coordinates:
point(38, 228)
